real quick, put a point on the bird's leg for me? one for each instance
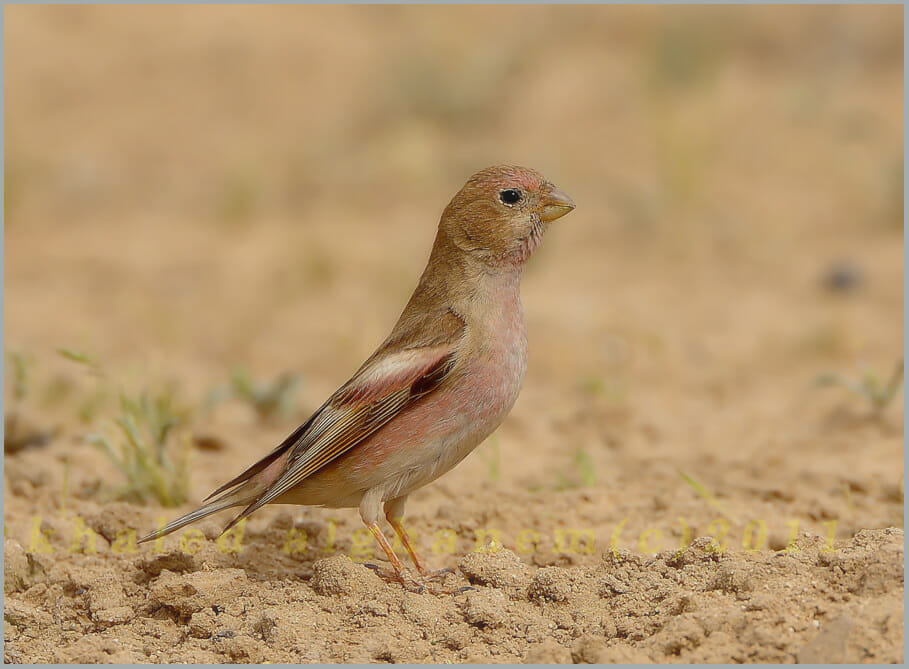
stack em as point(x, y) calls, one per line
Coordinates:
point(369, 511)
point(400, 569)
point(402, 535)
point(370, 508)
point(394, 514)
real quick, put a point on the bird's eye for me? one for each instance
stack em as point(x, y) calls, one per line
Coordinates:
point(510, 196)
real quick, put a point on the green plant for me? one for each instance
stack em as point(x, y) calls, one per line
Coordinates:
point(847, 497)
point(81, 358)
point(91, 403)
point(20, 431)
point(270, 399)
point(613, 389)
point(583, 463)
point(681, 57)
point(141, 439)
point(493, 456)
point(142, 433)
point(21, 368)
point(64, 490)
point(869, 385)
point(707, 496)
point(583, 476)
point(462, 91)
point(238, 196)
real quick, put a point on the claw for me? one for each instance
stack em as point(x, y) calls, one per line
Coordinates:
point(436, 575)
point(417, 585)
point(400, 574)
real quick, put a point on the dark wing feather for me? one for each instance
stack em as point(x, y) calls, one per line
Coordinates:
point(364, 405)
point(292, 439)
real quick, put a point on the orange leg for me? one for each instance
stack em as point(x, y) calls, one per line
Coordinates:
point(402, 535)
point(400, 571)
point(399, 568)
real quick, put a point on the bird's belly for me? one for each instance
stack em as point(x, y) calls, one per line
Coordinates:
point(472, 418)
point(447, 427)
point(426, 440)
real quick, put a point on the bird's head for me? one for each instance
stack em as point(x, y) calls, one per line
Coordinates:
point(501, 213)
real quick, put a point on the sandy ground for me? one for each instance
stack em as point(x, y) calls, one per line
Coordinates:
point(190, 190)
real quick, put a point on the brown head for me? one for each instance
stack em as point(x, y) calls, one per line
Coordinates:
point(501, 213)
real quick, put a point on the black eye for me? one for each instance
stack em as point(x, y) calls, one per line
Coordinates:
point(510, 196)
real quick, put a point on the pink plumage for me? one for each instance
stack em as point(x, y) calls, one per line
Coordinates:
point(442, 381)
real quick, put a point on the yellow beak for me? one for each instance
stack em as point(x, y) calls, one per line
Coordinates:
point(555, 204)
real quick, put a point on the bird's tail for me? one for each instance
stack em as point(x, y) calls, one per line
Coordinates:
point(232, 498)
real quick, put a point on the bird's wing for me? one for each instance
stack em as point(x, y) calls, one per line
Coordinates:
point(386, 384)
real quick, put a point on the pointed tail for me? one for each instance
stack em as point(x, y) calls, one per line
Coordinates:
point(223, 502)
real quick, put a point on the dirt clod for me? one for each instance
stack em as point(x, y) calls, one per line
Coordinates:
point(189, 593)
point(730, 577)
point(829, 645)
point(338, 575)
point(15, 567)
point(548, 652)
point(486, 609)
point(175, 561)
point(550, 584)
point(499, 569)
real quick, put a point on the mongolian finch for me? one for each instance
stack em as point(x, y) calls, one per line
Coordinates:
point(442, 381)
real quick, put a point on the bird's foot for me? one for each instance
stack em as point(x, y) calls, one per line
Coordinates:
point(437, 575)
point(419, 584)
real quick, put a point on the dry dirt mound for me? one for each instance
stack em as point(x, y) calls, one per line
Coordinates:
point(807, 605)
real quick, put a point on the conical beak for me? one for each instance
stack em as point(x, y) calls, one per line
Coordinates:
point(555, 204)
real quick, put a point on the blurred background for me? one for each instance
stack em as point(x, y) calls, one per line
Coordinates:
point(198, 192)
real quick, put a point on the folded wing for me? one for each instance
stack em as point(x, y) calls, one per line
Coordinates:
point(381, 389)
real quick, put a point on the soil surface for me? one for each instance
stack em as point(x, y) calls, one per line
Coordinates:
point(194, 191)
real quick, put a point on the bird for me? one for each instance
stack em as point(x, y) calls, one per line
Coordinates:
point(440, 383)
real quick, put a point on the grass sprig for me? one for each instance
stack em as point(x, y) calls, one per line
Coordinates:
point(140, 444)
point(270, 399)
point(868, 385)
point(707, 496)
